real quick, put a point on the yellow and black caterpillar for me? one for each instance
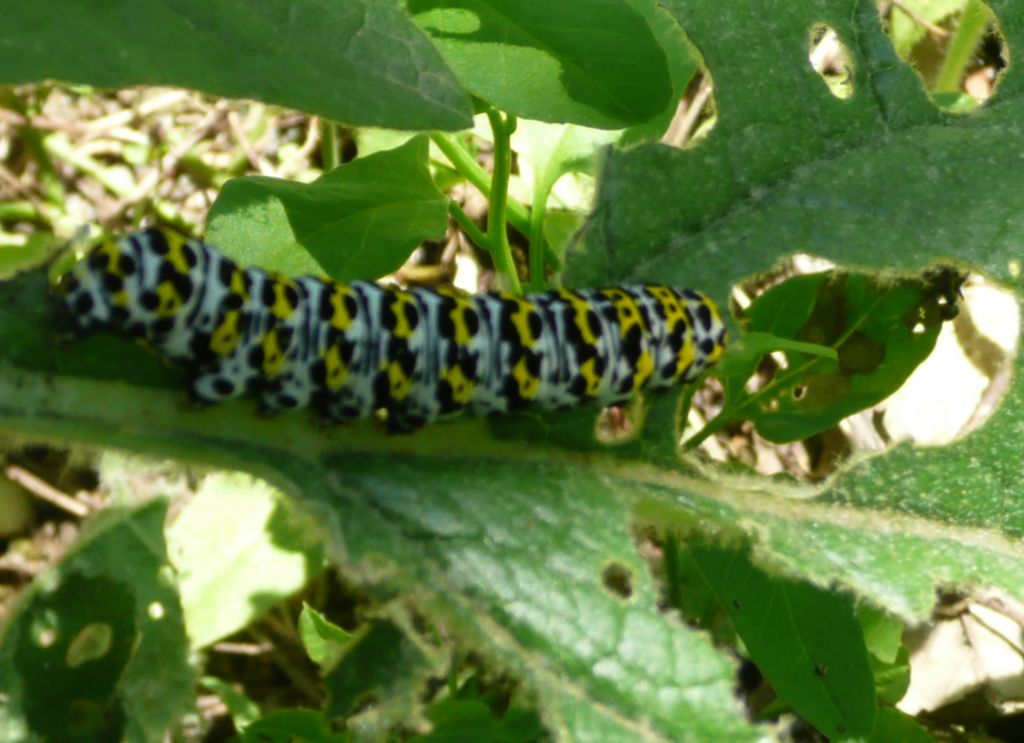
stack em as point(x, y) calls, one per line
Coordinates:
point(420, 354)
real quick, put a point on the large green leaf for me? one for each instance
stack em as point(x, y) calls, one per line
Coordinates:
point(359, 61)
point(509, 557)
point(590, 62)
point(806, 640)
point(881, 179)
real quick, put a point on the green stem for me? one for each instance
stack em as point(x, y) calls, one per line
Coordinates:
point(19, 211)
point(469, 227)
point(330, 153)
point(538, 212)
point(973, 22)
point(497, 230)
point(467, 165)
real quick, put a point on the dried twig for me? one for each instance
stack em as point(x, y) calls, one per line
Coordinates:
point(45, 491)
point(937, 31)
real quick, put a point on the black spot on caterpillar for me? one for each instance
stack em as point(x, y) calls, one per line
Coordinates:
point(420, 354)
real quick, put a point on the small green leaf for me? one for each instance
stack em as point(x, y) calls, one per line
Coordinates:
point(360, 220)
point(883, 633)
point(891, 679)
point(96, 650)
point(589, 62)
point(291, 53)
point(805, 640)
point(288, 725)
point(472, 721)
point(324, 641)
point(243, 710)
point(240, 547)
point(893, 725)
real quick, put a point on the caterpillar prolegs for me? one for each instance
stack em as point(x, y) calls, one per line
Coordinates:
point(419, 354)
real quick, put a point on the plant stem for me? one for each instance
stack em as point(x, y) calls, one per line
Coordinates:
point(20, 211)
point(469, 227)
point(467, 165)
point(973, 23)
point(538, 212)
point(497, 231)
point(329, 151)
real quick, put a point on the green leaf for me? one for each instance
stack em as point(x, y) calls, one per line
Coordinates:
point(381, 665)
point(891, 679)
point(263, 552)
point(682, 65)
point(881, 180)
point(360, 220)
point(552, 150)
point(805, 640)
point(472, 721)
point(14, 258)
point(892, 724)
point(324, 641)
point(293, 54)
point(96, 648)
point(287, 725)
point(243, 710)
point(880, 328)
point(589, 62)
point(883, 633)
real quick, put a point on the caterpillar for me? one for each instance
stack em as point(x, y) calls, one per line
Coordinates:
point(418, 354)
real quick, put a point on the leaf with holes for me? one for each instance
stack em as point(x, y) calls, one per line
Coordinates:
point(101, 635)
point(880, 328)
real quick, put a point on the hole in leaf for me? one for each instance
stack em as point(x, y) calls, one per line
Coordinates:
point(44, 629)
point(964, 328)
point(965, 377)
point(618, 579)
point(696, 113)
point(617, 423)
point(92, 643)
point(155, 610)
point(831, 59)
point(957, 48)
